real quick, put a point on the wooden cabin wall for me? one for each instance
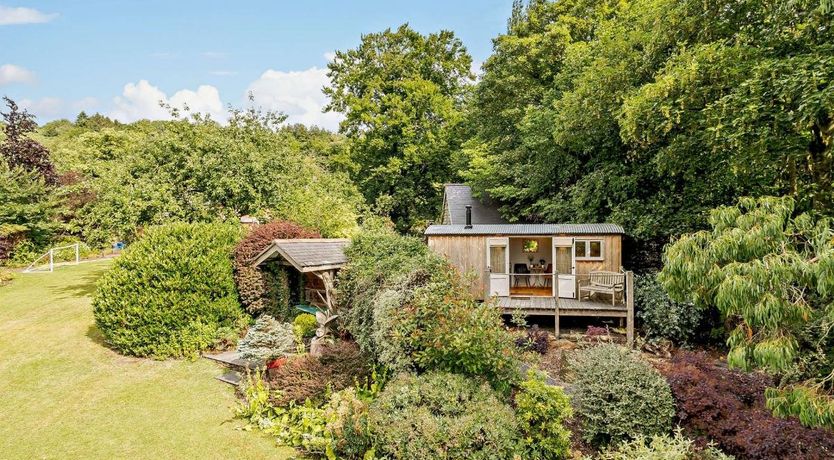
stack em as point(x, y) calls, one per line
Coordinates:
point(468, 254)
point(612, 252)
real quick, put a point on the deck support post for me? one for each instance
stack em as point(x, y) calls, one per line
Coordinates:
point(556, 293)
point(629, 288)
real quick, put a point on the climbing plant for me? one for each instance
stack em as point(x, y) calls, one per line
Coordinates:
point(770, 272)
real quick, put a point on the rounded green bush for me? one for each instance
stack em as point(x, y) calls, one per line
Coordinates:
point(442, 415)
point(619, 396)
point(171, 293)
point(305, 325)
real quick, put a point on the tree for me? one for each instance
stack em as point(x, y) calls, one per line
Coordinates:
point(196, 170)
point(596, 110)
point(27, 209)
point(770, 272)
point(402, 94)
point(19, 150)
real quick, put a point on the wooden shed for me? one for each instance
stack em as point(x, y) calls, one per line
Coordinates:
point(550, 268)
point(315, 260)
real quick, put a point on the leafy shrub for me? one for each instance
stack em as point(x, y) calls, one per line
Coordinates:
point(377, 257)
point(727, 407)
point(662, 447)
point(619, 396)
point(413, 312)
point(171, 293)
point(534, 339)
point(541, 411)
point(267, 339)
point(338, 427)
point(340, 365)
point(266, 289)
point(662, 317)
point(442, 415)
point(305, 326)
point(347, 424)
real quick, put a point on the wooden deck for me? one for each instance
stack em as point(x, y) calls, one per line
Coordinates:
point(567, 307)
point(532, 305)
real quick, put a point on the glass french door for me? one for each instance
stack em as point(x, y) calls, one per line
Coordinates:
point(564, 263)
point(498, 266)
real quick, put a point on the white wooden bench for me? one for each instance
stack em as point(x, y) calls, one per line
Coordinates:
point(602, 282)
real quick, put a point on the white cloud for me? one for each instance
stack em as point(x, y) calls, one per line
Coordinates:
point(10, 73)
point(329, 56)
point(46, 107)
point(298, 94)
point(142, 101)
point(20, 15)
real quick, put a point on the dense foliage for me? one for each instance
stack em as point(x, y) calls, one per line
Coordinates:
point(171, 294)
point(541, 411)
point(648, 113)
point(197, 170)
point(446, 415)
point(304, 377)
point(412, 311)
point(727, 407)
point(266, 340)
point(27, 209)
point(304, 326)
point(663, 318)
point(266, 289)
point(619, 396)
point(772, 273)
point(662, 447)
point(18, 150)
point(401, 93)
point(28, 202)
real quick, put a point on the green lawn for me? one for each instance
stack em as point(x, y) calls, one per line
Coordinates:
point(65, 395)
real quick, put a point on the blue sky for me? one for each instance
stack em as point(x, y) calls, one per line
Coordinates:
point(121, 57)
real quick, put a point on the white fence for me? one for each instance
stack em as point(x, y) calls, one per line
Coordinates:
point(50, 265)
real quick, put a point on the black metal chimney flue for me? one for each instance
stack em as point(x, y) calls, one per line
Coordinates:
point(468, 216)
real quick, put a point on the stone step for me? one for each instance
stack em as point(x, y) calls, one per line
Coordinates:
point(230, 377)
point(232, 360)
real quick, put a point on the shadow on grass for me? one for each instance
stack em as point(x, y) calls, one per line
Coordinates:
point(95, 334)
point(85, 287)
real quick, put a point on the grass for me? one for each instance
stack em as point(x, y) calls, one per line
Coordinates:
point(64, 394)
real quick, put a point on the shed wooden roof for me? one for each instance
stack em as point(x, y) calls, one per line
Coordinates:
point(306, 255)
point(525, 229)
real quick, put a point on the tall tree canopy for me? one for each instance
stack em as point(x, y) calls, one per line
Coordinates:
point(196, 170)
point(401, 93)
point(18, 149)
point(649, 113)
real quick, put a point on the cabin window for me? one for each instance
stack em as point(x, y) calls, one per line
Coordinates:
point(530, 246)
point(589, 250)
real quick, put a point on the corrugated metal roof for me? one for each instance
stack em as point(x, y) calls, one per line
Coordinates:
point(526, 229)
point(455, 199)
point(306, 254)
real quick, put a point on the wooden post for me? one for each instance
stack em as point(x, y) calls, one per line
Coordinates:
point(51, 264)
point(630, 306)
point(77, 251)
point(556, 291)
